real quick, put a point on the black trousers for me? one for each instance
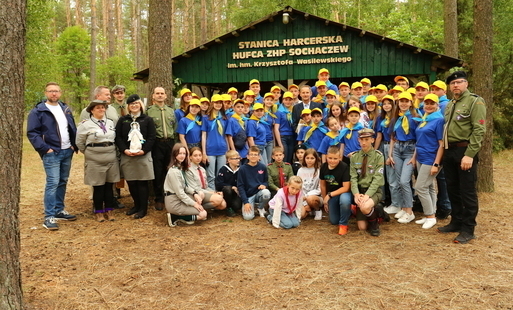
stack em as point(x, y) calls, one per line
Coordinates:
point(461, 186)
point(139, 190)
point(103, 198)
point(161, 155)
point(232, 199)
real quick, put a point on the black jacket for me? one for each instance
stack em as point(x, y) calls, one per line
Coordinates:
point(147, 127)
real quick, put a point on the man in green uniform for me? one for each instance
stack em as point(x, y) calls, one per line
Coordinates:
point(463, 134)
point(366, 170)
point(118, 92)
point(165, 123)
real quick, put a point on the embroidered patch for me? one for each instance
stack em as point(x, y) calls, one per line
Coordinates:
point(481, 121)
point(260, 171)
point(380, 170)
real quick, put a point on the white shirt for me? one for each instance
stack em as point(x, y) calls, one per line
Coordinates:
point(62, 122)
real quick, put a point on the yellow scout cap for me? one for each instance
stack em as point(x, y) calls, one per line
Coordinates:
point(331, 92)
point(439, 84)
point(293, 85)
point(381, 87)
point(411, 90)
point(371, 98)
point(399, 78)
point(388, 97)
point(306, 111)
point(353, 109)
point(204, 99)
point(268, 95)
point(232, 90)
point(422, 85)
point(320, 83)
point(185, 91)
point(275, 88)
point(249, 93)
point(356, 85)
point(432, 97)
point(216, 97)
point(343, 84)
point(226, 97)
point(195, 96)
point(323, 70)
point(316, 110)
point(239, 101)
point(258, 106)
point(195, 102)
point(405, 95)
point(254, 81)
point(288, 94)
point(396, 88)
point(365, 81)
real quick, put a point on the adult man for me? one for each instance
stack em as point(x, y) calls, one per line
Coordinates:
point(165, 121)
point(306, 96)
point(51, 130)
point(463, 134)
point(102, 93)
point(118, 92)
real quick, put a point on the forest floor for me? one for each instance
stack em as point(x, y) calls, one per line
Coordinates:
point(229, 263)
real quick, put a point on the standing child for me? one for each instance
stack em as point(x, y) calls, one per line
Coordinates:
point(285, 207)
point(256, 131)
point(279, 171)
point(284, 132)
point(254, 85)
point(336, 189)
point(312, 135)
point(309, 173)
point(226, 182)
point(227, 104)
point(371, 105)
point(270, 119)
point(185, 98)
point(189, 127)
point(236, 130)
point(354, 102)
point(331, 137)
point(299, 153)
point(337, 111)
point(349, 135)
point(252, 182)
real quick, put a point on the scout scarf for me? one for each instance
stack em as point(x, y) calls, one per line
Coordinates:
point(333, 136)
point(286, 192)
point(386, 121)
point(348, 131)
point(287, 112)
point(217, 121)
point(428, 117)
point(241, 119)
point(319, 126)
point(403, 121)
point(195, 120)
point(258, 120)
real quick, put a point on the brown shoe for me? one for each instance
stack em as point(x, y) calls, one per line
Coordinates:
point(110, 216)
point(159, 206)
point(100, 217)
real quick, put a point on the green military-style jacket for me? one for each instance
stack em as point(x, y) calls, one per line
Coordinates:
point(120, 108)
point(274, 178)
point(465, 121)
point(374, 177)
point(170, 121)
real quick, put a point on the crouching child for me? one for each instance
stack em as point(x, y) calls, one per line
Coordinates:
point(285, 207)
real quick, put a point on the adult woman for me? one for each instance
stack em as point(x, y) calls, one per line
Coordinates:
point(183, 204)
point(95, 138)
point(135, 137)
point(428, 154)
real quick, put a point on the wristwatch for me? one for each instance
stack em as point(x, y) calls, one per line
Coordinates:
point(329, 195)
point(436, 165)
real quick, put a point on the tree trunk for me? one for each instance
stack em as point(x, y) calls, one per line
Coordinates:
point(120, 31)
point(483, 86)
point(12, 23)
point(451, 28)
point(204, 20)
point(79, 20)
point(92, 78)
point(68, 13)
point(160, 45)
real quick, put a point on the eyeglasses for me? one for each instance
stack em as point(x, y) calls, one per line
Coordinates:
point(457, 82)
point(253, 154)
point(53, 91)
point(235, 158)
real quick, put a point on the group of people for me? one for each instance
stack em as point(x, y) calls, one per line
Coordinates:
point(353, 149)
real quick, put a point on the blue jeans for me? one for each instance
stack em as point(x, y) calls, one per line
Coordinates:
point(259, 200)
point(214, 164)
point(340, 209)
point(392, 179)
point(269, 151)
point(263, 155)
point(286, 221)
point(288, 143)
point(57, 167)
point(403, 152)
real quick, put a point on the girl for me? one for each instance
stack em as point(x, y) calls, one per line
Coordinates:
point(331, 137)
point(309, 173)
point(213, 139)
point(205, 104)
point(300, 154)
point(189, 127)
point(183, 204)
point(249, 96)
point(270, 118)
point(371, 105)
point(428, 154)
point(402, 148)
point(185, 98)
point(286, 207)
point(364, 117)
point(337, 111)
point(276, 90)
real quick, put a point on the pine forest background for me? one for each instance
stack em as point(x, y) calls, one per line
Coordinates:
point(63, 36)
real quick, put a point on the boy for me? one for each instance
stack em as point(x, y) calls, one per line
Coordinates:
point(366, 172)
point(321, 93)
point(283, 126)
point(254, 85)
point(421, 90)
point(336, 189)
point(357, 89)
point(252, 181)
point(279, 171)
point(236, 129)
point(344, 93)
point(312, 135)
point(226, 182)
point(305, 120)
point(349, 135)
point(402, 81)
point(256, 130)
point(294, 89)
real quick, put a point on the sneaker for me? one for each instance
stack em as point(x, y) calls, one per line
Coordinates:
point(50, 223)
point(374, 228)
point(65, 216)
point(429, 223)
point(421, 221)
point(399, 214)
point(343, 229)
point(392, 209)
point(170, 220)
point(230, 212)
point(261, 212)
point(318, 215)
point(406, 218)
point(183, 221)
point(464, 237)
point(449, 228)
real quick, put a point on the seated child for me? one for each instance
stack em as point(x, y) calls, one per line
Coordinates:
point(252, 181)
point(226, 182)
point(309, 173)
point(285, 207)
point(299, 152)
point(279, 171)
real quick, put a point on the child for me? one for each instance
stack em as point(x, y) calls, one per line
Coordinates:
point(233, 92)
point(270, 119)
point(344, 93)
point(337, 111)
point(254, 85)
point(276, 90)
point(305, 120)
point(294, 89)
point(256, 130)
point(227, 104)
point(279, 172)
point(331, 98)
point(249, 96)
point(299, 153)
point(285, 208)
point(331, 137)
point(312, 135)
point(236, 129)
point(283, 130)
point(226, 182)
point(336, 189)
point(354, 102)
point(321, 94)
point(252, 181)
point(205, 104)
point(185, 98)
point(357, 90)
point(189, 127)
point(366, 179)
point(348, 136)
point(309, 173)
point(371, 105)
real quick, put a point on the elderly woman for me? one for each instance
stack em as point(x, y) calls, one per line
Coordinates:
point(95, 138)
point(135, 137)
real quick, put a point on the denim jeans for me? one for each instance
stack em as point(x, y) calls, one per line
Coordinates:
point(340, 209)
point(288, 143)
point(286, 221)
point(392, 179)
point(269, 151)
point(263, 155)
point(214, 164)
point(402, 154)
point(259, 200)
point(57, 166)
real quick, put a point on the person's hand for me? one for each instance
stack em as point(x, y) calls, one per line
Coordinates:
point(199, 207)
point(412, 161)
point(49, 151)
point(434, 170)
point(197, 197)
point(326, 206)
point(247, 207)
point(261, 187)
point(466, 163)
point(235, 189)
point(391, 160)
point(205, 159)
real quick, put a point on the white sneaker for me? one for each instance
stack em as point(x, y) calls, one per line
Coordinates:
point(406, 218)
point(261, 212)
point(318, 215)
point(430, 222)
point(399, 214)
point(421, 221)
point(392, 209)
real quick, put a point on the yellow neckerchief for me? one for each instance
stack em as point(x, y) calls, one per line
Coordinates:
point(310, 131)
point(424, 121)
point(239, 119)
point(193, 118)
point(270, 112)
point(318, 98)
point(416, 103)
point(253, 117)
point(387, 120)
point(217, 119)
point(350, 126)
point(405, 123)
point(332, 134)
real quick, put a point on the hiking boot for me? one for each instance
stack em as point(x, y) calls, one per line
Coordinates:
point(159, 206)
point(65, 216)
point(50, 223)
point(449, 228)
point(464, 237)
point(230, 212)
point(374, 228)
